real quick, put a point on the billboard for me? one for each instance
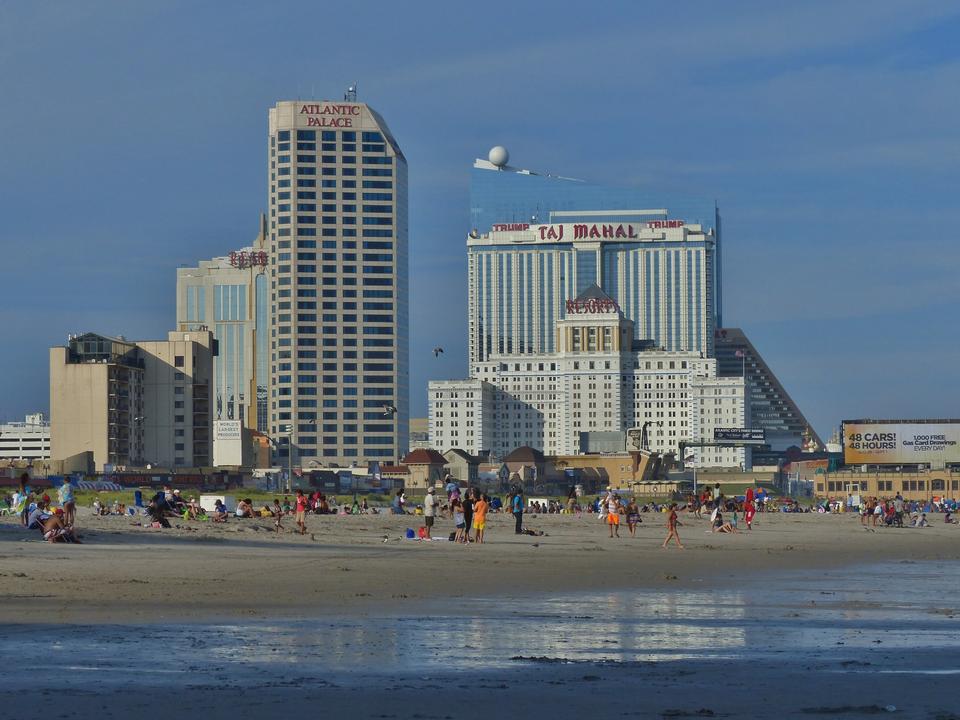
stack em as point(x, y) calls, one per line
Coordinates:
point(743, 435)
point(899, 443)
point(227, 443)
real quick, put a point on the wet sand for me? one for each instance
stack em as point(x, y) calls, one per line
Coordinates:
point(738, 632)
point(206, 572)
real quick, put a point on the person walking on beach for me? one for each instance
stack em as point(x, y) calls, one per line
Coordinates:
point(749, 509)
point(612, 503)
point(301, 509)
point(429, 510)
point(278, 516)
point(480, 508)
point(672, 524)
point(518, 511)
point(633, 516)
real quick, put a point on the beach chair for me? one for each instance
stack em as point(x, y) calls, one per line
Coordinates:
point(19, 505)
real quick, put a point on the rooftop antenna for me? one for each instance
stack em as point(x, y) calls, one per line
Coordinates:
point(351, 94)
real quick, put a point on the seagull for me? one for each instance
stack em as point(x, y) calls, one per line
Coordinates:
point(437, 351)
point(389, 410)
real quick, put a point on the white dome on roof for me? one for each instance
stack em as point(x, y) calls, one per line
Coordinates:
point(498, 156)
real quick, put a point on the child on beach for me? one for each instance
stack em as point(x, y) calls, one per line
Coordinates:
point(278, 515)
point(301, 501)
point(480, 508)
point(456, 507)
point(672, 524)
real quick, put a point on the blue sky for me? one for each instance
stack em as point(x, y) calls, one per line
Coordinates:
point(133, 140)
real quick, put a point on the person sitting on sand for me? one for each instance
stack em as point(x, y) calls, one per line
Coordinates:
point(720, 526)
point(191, 510)
point(219, 511)
point(244, 509)
point(39, 515)
point(157, 512)
point(54, 530)
point(398, 502)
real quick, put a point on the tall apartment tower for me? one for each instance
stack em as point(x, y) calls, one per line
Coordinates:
point(339, 378)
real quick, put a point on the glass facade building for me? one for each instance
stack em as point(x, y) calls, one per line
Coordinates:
point(509, 195)
point(539, 241)
point(228, 296)
point(339, 379)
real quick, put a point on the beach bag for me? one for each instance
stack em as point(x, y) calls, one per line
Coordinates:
point(410, 534)
point(421, 532)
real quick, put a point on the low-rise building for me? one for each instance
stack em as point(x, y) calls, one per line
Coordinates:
point(462, 466)
point(27, 440)
point(117, 403)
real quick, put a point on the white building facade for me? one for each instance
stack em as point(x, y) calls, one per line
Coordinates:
point(27, 440)
point(599, 384)
point(659, 271)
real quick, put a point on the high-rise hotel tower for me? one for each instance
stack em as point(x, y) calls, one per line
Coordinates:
point(338, 285)
point(538, 241)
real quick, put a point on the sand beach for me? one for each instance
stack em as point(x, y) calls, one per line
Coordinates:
point(806, 615)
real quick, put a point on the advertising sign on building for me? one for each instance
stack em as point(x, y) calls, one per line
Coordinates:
point(227, 443)
point(879, 443)
point(743, 435)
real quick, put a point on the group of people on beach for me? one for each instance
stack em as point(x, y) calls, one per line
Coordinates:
point(897, 512)
point(56, 523)
point(468, 510)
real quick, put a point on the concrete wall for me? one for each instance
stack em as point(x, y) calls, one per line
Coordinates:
point(78, 408)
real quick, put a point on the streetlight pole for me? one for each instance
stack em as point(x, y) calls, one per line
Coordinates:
point(288, 431)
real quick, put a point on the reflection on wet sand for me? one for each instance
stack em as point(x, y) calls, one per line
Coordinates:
point(804, 615)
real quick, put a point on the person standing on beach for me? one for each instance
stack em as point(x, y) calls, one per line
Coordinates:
point(518, 511)
point(67, 502)
point(480, 508)
point(430, 510)
point(301, 515)
point(456, 510)
point(672, 524)
point(23, 499)
point(469, 499)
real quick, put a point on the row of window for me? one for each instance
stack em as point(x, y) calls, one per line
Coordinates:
point(348, 146)
point(367, 136)
point(303, 158)
point(332, 195)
